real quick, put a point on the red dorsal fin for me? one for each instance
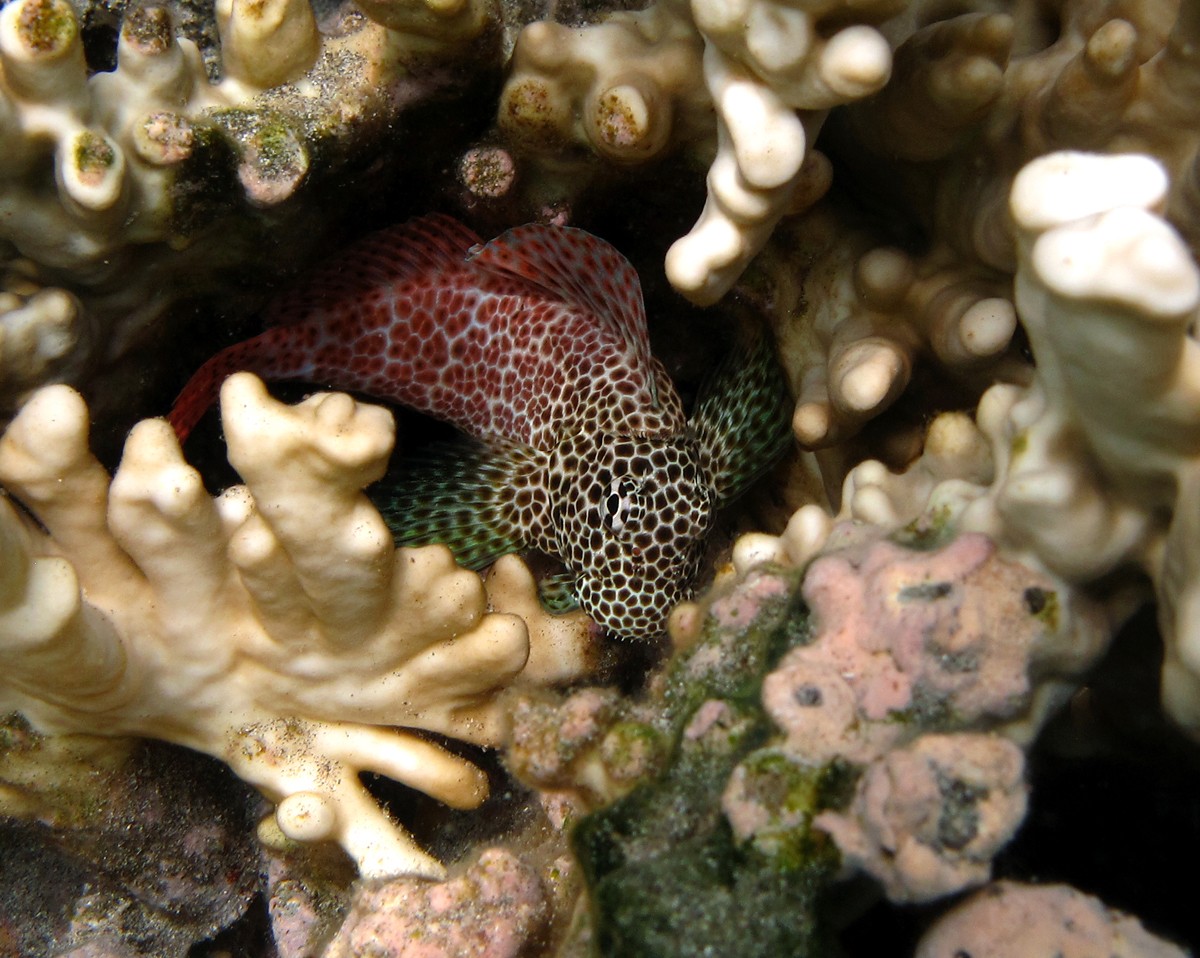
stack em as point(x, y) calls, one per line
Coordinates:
point(424, 246)
point(578, 268)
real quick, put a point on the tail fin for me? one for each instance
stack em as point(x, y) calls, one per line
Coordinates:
point(254, 355)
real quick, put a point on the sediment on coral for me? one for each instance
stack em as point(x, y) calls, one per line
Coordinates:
point(124, 190)
point(973, 229)
point(141, 607)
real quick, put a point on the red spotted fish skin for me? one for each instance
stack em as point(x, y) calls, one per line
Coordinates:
point(539, 331)
point(534, 344)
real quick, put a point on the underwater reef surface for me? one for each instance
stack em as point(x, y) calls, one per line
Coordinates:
point(928, 681)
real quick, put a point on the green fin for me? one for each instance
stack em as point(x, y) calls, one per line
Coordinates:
point(454, 493)
point(557, 593)
point(743, 417)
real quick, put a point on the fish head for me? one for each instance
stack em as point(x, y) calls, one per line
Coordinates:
point(631, 515)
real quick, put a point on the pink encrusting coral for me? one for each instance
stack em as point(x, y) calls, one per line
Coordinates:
point(920, 657)
point(1011, 920)
point(495, 909)
point(928, 818)
point(911, 634)
point(916, 629)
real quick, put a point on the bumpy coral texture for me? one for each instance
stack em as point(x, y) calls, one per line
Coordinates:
point(903, 679)
point(275, 627)
point(1090, 469)
point(771, 73)
point(977, 96)
point(495, 909)
point(113, 183)
point(1011, 920)
point(928, 818)
point(855, 318)
point(974, 95)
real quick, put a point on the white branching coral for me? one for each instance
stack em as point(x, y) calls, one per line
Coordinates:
point(628, 88)
point(119, 185)
point(975, 96)
point(1099, 462)
point(1091, 469)
point(624, 87)
point(275, 627)
point(855, 317)
point(773, 74)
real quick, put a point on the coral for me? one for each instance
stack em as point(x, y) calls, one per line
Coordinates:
point(1102, 450)
point(773, 74)
point(908, 636)
point(976, 96)
point(973, 97)
point(857, 711)
point(561, 647)
point(626, 89)
point(854, 319)
point(902, 680)
point(1088, 470)
point(875, 687)
point(157, 850)
point(666, 876)
point(275, 627)
point(495, 909)
point(1011, 920)
point(587, 746)
point(928, 818)
point(127, 188)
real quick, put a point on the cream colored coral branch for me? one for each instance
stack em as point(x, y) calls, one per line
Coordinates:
point(114, 184)
point(275, 627)
point(751, 80)
point(1094, 468)
point(773, 75)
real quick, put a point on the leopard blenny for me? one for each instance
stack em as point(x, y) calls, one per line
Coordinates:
point(534, 345)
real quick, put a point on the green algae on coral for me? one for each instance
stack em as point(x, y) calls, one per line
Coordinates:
point(48, 27)
point(93, 153)
point(929, 531)
point(668, 877)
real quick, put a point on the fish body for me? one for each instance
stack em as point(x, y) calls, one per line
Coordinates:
point(535, 346)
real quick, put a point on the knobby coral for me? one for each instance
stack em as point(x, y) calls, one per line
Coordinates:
point(122, 190)
point(275, 627)
point(627, 89)
point(1088, 471)
point(902, 679)
point(1011, 920)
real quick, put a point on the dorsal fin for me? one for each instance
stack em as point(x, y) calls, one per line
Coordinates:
point(423, 246)
point(578, 268)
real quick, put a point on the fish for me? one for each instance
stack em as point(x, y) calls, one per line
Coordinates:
point(574, 440)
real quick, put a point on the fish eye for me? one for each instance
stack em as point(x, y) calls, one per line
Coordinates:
point(617, 503)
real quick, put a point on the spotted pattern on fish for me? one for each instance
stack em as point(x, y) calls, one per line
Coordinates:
point(534, 345)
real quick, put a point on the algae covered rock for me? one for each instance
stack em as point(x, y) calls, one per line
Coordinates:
point(668, 875)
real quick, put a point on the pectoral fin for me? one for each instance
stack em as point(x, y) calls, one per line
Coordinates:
point(743, 417)
point(455, 493)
